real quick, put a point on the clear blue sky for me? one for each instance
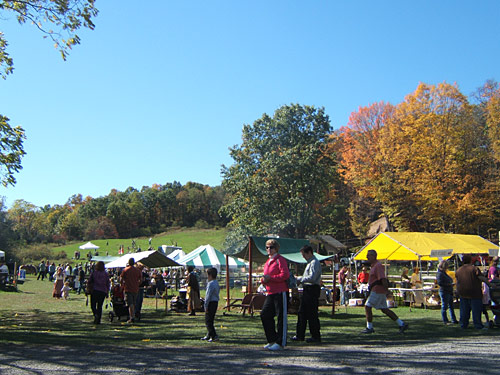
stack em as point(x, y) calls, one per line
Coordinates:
point(160, 90)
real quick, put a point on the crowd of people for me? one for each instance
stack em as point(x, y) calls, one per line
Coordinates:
point(468, 284)
point(64, 276)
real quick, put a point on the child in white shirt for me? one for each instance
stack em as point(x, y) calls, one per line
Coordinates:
point(65, 290)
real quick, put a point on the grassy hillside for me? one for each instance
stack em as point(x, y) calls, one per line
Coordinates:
point(188, 239)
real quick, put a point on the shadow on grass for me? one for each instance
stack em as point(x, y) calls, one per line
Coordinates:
point(171, 343)
point(156, 327)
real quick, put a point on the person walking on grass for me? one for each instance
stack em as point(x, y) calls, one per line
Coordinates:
point(211, 303)
point(131, 279)
point(445, 283)
point(99, 285)
point(309, 302)
point(41, 270)
point(276, 274)
point(379, 289)
point(65, 290)
point(469, 279)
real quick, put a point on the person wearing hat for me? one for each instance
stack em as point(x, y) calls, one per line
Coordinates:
point(493, 270)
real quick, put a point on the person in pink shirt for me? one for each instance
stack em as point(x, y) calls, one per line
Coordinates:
point(379, 289)
point(275, 279)
point(493, 270)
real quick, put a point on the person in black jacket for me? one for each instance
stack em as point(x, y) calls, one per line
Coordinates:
point(445, 283)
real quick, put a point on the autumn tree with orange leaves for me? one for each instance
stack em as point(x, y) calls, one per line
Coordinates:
point(424, 163)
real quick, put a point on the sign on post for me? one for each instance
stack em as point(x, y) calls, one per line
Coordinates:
point(441, 253)
point(493, 252)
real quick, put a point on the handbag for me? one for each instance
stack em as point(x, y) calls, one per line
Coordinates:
point(90, 285)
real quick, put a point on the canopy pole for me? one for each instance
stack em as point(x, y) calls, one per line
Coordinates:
point(228, 294)
point(15, 276)
point(250, 261)
point(334, 292)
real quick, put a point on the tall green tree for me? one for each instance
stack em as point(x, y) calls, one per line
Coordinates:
point(281, 175)
point(6, 233)
point(23, 215)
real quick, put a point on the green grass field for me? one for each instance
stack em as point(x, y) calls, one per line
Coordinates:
point(32, 316)
point(188, 239)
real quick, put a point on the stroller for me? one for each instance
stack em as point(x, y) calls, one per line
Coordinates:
point(118, 302)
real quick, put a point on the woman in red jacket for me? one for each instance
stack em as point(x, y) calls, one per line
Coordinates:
point(275, 276)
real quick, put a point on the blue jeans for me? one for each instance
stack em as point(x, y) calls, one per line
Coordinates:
point(466, 306)
point(447, 303)
point(342, 294)
point(138, 303)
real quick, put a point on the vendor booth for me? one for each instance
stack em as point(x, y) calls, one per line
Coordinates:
point(207, 256)
point(88, 246)
point(416, 246)
point(255, 252)
point(151, 259)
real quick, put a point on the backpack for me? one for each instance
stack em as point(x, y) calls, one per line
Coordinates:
point(291, 282)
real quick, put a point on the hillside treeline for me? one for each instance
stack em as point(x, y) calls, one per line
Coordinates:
point(126, 214)
point(430, 163)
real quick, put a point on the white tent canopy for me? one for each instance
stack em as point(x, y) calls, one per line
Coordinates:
point(88, 246)
point(151, 259)
point(207, 256)
point(176, 254)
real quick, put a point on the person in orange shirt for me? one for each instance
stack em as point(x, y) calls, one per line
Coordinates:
point(131, 278)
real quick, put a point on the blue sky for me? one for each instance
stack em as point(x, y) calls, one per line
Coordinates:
point(159, 93)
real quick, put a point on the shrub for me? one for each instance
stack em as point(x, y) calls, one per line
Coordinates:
point(32, 253)
point(61, 255)
point(201, 224)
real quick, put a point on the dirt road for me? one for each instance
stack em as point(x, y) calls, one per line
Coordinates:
point(464, 356)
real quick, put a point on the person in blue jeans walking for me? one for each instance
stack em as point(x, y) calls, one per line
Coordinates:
point(469, 288)
point(445, 283)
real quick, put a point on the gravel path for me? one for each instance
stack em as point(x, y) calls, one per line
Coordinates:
point(464, 356)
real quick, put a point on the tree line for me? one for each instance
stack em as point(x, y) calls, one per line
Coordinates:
point(430, 163)
point(120, 214)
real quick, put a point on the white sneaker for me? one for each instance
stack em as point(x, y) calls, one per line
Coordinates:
point(275, 347)
point(268, 345)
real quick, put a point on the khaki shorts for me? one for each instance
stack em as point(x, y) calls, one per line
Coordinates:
point(377, 301)
point(130, 298)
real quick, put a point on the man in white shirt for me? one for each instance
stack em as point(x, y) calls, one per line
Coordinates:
point(308, 310)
